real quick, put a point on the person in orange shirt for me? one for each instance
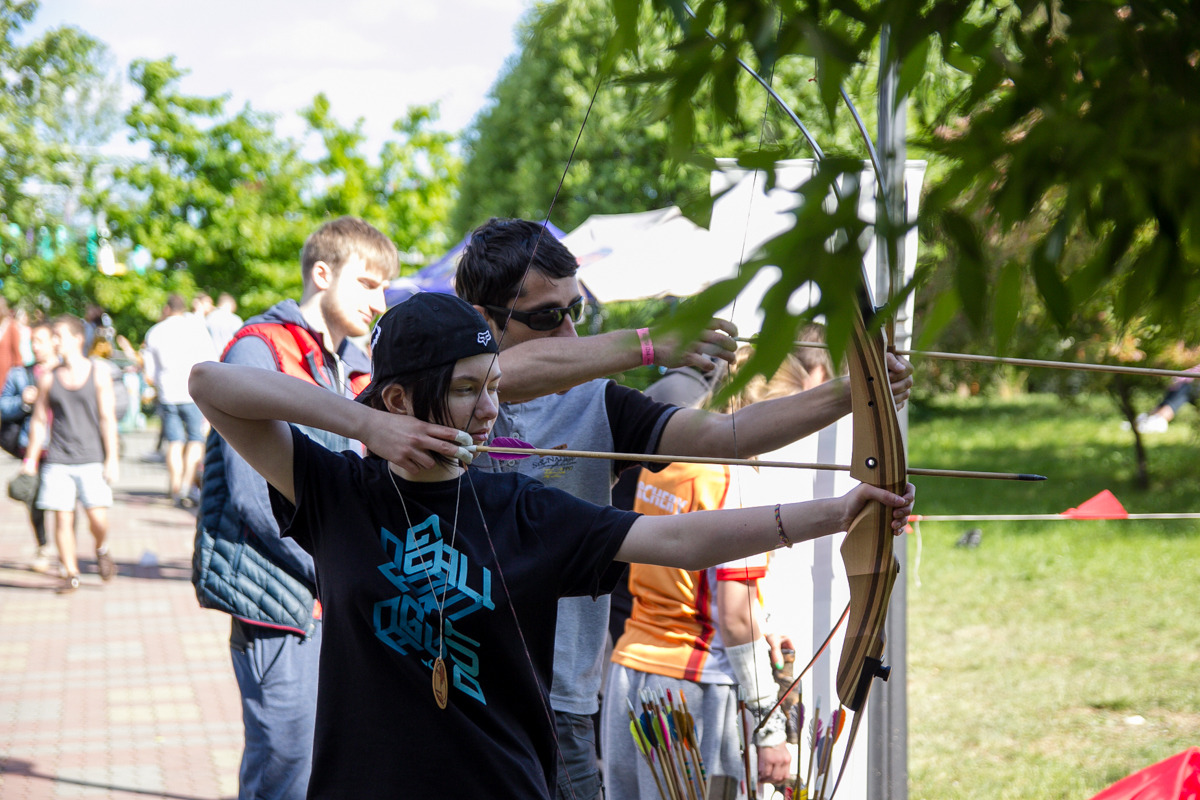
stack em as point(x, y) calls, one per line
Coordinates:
point(699, 633)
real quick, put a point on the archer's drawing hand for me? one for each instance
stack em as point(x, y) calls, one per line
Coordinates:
point(410, 443)
point(858, 497)
point(717, 342)
point(900, 372)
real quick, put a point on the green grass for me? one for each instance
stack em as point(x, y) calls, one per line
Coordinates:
point(1057, 657)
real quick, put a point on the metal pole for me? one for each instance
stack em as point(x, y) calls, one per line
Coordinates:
point(887, 753)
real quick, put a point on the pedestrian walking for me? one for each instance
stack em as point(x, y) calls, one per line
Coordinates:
point(81, 458)
point(172, 347)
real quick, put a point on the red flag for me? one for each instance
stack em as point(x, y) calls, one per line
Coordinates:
point(1103, 506)
point(1176, 778)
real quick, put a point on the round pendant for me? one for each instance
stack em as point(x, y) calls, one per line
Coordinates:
point(441, 689)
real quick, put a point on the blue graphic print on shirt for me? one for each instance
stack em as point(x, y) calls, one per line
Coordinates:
point(429, 572)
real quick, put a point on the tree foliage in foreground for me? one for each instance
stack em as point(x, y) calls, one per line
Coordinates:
point(632, 154)
point(518, 147)
point(1075, 122)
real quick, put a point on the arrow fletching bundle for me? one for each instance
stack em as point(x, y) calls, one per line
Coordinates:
point(515, 444)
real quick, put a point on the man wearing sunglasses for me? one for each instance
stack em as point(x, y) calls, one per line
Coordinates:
point(523, 281)
point(542, 319)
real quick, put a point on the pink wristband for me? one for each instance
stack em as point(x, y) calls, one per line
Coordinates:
point(647, 346)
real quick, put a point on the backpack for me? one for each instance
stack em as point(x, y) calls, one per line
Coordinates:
point(10, 430)
point(10, 438)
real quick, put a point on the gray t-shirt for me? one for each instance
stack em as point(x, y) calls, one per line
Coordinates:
point(598, 415)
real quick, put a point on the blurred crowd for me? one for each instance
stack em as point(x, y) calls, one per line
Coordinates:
point(89, 376)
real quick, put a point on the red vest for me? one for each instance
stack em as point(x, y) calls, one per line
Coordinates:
point(297, 353)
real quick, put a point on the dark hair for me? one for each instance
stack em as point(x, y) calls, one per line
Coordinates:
point(176, 303)
point(338, 239)
point(427, 391)
point(500, 252)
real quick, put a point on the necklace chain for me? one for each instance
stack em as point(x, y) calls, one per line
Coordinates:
point(440, 603)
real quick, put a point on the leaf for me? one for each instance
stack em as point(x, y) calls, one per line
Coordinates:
point(970, 277)
point(1046, 276)
point(626, 14)
point(1006, 304)
point(912, 68)
point(725, 93)
point(945, 307)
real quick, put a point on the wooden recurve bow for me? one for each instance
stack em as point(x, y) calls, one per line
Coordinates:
point(877, 458)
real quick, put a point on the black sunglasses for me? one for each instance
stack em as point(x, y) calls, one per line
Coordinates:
point(544, 319)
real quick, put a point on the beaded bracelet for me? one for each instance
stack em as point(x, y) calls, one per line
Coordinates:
point(783, 537)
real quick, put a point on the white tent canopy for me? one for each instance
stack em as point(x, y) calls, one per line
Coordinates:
point(649, 254)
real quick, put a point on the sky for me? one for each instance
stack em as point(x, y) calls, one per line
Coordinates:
point(372, 58)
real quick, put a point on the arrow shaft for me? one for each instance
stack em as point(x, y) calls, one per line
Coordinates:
point(1069, 365)
point(657, 458)
point(1026, 362)
point(1038, 517)
point(803, 672)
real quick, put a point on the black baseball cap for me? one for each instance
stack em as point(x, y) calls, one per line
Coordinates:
point(426, 331)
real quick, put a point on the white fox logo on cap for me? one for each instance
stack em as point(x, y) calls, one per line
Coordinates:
point(483, 337)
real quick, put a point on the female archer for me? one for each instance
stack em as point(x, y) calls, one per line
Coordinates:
point(440, 583)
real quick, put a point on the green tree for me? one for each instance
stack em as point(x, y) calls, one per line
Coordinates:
point(19, 144)
point(668, 101)
point(1071, 120)
point(519, 145)
point(73, 111)
point(57, 105)
point(406, 193)
point(227, 203)
point(220, 198)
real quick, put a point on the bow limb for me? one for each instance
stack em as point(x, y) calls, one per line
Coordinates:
point(877, 458)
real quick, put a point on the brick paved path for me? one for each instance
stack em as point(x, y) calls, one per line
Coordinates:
point(120, 690)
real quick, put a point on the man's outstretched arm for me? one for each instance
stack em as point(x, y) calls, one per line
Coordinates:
point(769, 425)
point(554, 364)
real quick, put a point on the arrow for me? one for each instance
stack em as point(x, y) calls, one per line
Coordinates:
point(1069, 365)
point(1038, 517)
point(514, 448)
point(1021, 362)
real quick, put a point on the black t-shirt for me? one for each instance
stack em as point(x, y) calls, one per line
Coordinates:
point(381, 580)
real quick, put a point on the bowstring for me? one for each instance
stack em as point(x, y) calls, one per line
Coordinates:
point(544, 694)
point(767, 85)
point(753, 590)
